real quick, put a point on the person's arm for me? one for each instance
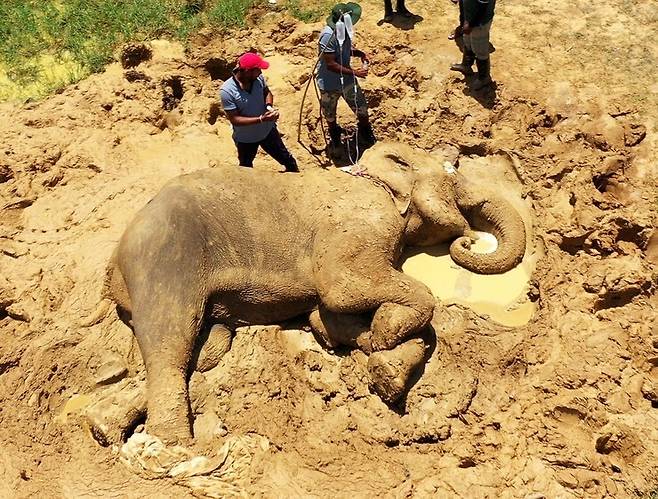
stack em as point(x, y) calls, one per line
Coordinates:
point(332, 65)
point(271, 114)
point(233, 113)
point(236, 119)
point(267, 93)
point(328, 47)
point(269, 97)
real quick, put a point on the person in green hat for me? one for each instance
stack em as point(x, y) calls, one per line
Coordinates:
point(335, 76)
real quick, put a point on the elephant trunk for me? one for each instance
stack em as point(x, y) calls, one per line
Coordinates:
point(499, 217)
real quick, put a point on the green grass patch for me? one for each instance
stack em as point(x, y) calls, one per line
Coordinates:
point(47, 44)
point(229, 13)
point(309, 11)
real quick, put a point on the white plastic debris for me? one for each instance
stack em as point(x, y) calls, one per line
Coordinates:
point(223, 474)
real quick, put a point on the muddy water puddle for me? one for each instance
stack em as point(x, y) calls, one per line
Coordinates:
point(75, 405)
point(502, 297)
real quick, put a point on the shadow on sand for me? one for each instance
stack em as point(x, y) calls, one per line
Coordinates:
point(402, 22)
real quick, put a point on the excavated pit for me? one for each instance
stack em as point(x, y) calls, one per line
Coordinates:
point(554, 398)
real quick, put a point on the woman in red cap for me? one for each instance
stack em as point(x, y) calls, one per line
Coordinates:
point(248, 102)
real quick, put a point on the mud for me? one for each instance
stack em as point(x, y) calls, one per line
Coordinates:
point(565, 405)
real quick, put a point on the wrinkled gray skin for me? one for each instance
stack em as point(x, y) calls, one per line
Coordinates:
point(239, 246)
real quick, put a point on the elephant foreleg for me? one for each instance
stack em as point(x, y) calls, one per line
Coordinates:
point(393, 323)
point(403, 307)
point(389, 370)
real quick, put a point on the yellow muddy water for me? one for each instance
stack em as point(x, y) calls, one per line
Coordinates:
point(502, 297)
point(75, 405)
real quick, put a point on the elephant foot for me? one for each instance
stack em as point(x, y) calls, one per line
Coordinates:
point(391, 370)
point(393, 323)
point(171, 432)
point(333, 329)
point(116, 412)
point(215, 347)
point(169, 415)
point(320, 330)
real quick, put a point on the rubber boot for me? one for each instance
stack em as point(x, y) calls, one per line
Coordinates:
point(365, 132)
point(466, 66)
point(388, 11)
point(484, 74)
point(334, 134)
point(402, 10)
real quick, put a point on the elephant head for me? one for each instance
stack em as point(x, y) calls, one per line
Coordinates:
point(441, 206)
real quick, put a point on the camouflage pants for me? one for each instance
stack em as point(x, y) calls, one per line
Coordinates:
point(355, 99)
point(478, 41)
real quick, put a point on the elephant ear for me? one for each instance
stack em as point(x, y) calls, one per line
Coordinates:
point(386, 164)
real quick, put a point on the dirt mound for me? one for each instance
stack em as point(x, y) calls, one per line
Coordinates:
point(566, 405)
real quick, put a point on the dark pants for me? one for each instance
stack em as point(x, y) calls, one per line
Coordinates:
point(272, 145)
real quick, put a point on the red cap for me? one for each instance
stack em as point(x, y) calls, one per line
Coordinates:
point(252, 61)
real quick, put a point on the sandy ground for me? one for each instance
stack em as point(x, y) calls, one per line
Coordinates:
point(564, 406)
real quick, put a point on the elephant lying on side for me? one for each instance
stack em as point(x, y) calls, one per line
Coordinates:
point(237, 246)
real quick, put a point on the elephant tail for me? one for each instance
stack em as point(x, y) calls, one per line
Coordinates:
point(100, 312)
point(114, 291)
point(500, 218)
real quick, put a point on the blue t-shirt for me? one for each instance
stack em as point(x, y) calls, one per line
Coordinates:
point(328, 80)
point(251, 103)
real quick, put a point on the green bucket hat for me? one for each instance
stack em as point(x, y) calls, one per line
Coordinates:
point(351, 8)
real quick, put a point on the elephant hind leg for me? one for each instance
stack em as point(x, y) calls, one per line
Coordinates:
point(166, 334)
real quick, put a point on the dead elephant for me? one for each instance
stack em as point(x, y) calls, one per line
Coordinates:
point(235, 246)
